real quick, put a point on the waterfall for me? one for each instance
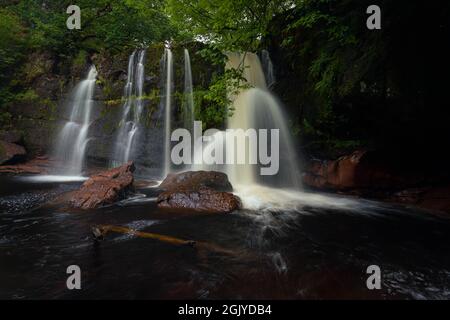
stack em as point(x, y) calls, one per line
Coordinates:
point(132, 109)
point(73, 138)
point(188, 110)
point(167, 101)
point(268, 68)
point(255, 108)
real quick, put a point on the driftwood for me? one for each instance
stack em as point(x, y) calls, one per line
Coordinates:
point(100, 231)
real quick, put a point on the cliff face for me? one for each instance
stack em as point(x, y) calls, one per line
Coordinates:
point(42, 103)
point(382, 90)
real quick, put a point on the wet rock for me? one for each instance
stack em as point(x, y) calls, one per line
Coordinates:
point(11, 136)
point(202, 200)
point(196, 179)
point(104, 188)
point(38, 165)
point(432, 198)
point(11, 153)
point(361, 169)
point(200, 191)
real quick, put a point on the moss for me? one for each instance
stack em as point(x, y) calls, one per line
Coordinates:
point(2, 152)
point(5, 119)
point(26, 96)
point(80, 59)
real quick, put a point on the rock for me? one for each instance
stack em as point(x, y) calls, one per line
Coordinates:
point(436, 198)
point(431, 198)
point(361, 169)
point(200, 191)
point(11, 136)
point(196, 179)
point(104, 188)
point(38, 165)
point(202, 200)
point(11, 153)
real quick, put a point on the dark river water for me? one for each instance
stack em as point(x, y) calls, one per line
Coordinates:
point(312, 251)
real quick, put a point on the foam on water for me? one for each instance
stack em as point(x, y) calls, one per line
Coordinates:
point(259, 198)
point(53, 178)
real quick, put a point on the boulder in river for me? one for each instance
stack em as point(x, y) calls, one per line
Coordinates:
point(196, 179)
point(104, 188)
point(200, 191)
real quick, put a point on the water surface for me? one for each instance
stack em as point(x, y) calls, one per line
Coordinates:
point(317, 249)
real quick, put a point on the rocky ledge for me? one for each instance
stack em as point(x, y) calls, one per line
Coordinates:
point(372, 175)
point(38, 165)
point(199, 191)
point(104, 188)
point(11, 152)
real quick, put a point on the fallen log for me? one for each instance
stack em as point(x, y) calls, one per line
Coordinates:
point(100, 231)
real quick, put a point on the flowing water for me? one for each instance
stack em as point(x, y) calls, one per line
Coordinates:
point(132, 109)
point(316, 246)
point(188, 110)
point(73, 138)
point(167, 107)
point(254, 108)
point(268, 68)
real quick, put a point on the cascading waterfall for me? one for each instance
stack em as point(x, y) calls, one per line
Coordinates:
point(167, 93)
point(255, 108)
point(268, 68)
point(188, 110)
point(132, 108)
point(73, 138)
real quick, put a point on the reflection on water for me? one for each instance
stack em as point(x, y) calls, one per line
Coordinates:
point(316, 246)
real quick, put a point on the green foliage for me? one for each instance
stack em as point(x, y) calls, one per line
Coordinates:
point(29, 96)
point(12, 40)
point(216, 101)
point(104, 24)
point(230, 25)
point(32, 26)
point(80, 59)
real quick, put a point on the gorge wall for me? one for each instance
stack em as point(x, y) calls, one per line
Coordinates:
point(44, 83)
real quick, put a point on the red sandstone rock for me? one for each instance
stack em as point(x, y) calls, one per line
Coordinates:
point(432, 198)
point(38, 165)
point(200, 191)
point(11, 152)
point(201, 200)
point(358, 170)
point(104, 188)
point(196, 179)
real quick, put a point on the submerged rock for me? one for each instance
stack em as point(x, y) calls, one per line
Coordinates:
point(200, 191)
point(11, 153)
point(104, 188)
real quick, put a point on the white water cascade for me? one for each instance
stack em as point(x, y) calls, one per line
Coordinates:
point(188, 110)
point(73, 138)
point(268, 68)
point(256, 108)
point(132, 109)
point(167, 101)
